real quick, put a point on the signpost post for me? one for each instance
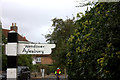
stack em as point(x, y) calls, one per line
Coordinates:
point(13, 48)
point(11, 52)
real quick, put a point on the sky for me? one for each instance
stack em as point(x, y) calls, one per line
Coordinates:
point(33, 17)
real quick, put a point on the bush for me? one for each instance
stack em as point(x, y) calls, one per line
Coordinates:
point(94, 48)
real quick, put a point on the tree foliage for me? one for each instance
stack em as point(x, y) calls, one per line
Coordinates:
point(0, 46)
point(60, 35)
point(4, 57)
point(25, 60)
point(94, 48)
point(83, 3)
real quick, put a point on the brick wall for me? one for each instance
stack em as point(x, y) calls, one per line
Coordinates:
point(46, 60)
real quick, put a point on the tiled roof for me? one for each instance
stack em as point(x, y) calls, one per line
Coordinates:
point(5, 32)
point(20, 38)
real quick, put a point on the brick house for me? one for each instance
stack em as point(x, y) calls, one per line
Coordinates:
point(37, 59)
point(42, 59)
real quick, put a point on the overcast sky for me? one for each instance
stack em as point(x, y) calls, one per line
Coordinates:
point(33, 17)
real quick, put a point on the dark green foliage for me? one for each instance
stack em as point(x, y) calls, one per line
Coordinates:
point(4, 62)
point(0, 46)
point(60, 35)
point(49, 68)
point(94, 48)
point(4, 57)
point(25, 60)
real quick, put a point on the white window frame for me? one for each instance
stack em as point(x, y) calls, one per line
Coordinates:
point(38, 59)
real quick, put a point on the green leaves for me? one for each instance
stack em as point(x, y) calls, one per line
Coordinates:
point(89, 47)
point(25, 60)
point(93, 46)
point(63, 29)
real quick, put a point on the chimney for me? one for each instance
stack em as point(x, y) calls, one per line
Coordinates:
point(24, 37)
point(14, 27)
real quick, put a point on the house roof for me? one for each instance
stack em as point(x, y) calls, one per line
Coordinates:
point(20, 38)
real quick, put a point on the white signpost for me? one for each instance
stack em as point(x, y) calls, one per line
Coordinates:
point(13, 48)
point(35, 48)
point(21, 48)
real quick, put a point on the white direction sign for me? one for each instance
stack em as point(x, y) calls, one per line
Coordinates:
point(35, 48)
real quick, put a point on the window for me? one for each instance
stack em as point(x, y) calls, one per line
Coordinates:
point(38, 59)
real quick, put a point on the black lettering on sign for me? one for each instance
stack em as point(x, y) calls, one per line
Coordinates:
point(32, 51)
point(24, 50)
point(33, 46)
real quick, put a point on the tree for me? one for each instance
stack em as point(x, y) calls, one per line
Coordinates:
point(25, 60)
point(60, 35)
point(4, 57)
point(94, 51)
point(83, 3)
point(0, 46)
